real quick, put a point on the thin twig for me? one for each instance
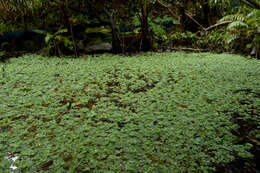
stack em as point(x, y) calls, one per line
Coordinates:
point(169, 9)
point(218, 24)
point(187, 14)
point(190, 49)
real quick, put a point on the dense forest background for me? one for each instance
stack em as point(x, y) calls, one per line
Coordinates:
point(70, 27)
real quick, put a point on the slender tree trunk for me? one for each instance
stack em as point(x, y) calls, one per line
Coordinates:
point(206, 11)
point(146, 42)
point(182, 11)
point(116, 46)
point(69, 28)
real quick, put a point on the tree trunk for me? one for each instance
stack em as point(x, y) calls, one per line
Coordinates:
point(116, 46)
point(205, 10)
point(146, 42)
point(182, 11)
point(68, 25)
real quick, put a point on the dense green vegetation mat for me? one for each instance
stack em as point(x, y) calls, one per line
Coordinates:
point(171, 112)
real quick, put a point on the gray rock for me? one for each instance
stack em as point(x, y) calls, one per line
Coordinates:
point(100, 47)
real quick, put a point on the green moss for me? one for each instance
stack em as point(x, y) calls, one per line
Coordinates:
point(156, 113)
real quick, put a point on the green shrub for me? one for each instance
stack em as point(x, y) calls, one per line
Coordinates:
point(216, 41)
point(183, 39)
point(243, 32)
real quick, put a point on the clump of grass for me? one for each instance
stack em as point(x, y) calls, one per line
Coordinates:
point(160, 113)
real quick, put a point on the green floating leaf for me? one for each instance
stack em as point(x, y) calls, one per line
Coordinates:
point(40, 31)
point(48, 38)
point(61, 31)
point(101, 29)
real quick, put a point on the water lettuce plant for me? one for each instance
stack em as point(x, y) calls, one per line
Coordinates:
point(169, 112)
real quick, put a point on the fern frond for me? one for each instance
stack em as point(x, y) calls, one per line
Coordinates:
point(240, 17)
point(61, 31)
point(237, 24)
point(227, 18)
point(234, 17)
point(256, 41)
point(231, 37)
point(253, 18)
point(255, 22)
point(254, 14)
